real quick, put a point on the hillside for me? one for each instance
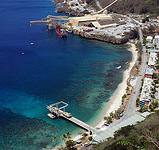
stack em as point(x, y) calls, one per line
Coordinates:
point(130, 6)
point(143, 136)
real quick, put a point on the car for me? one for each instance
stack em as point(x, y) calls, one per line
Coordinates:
point(87, 144)
point(88, 30)
point(78, 142)
point(106, 124)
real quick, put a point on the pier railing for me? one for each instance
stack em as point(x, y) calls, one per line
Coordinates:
point(58, 110)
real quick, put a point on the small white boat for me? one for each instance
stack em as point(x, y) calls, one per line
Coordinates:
point(51, 116)
point(22, 53)
point(31, 43)
point(118, 67)
point(69, 31)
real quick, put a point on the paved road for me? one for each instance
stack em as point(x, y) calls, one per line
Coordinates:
point(136, 90)
point(98, 4)
point(105, 8)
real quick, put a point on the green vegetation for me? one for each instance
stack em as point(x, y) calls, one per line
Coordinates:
point(129, 6)
point(153, 105)
point(144, 109)
point(114, 115)
point(143, 136)
point(108, 119)
point(69, 143)
point(137, 102)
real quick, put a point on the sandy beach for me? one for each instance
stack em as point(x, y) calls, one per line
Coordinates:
point(116, 99)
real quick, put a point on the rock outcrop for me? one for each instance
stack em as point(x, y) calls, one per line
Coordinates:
point(107, 38)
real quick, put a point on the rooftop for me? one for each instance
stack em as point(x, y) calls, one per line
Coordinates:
point(152, 59)
point(149, 71)
point(146, 90)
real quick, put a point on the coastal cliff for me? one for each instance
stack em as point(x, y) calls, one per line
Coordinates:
point(115, 34)
point(106, 38)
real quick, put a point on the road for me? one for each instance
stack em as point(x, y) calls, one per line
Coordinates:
point(105, 8)
point(98, 4)
point(131, 108)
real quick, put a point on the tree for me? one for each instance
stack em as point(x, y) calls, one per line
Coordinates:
point(68, 141)
point(66, 136)
point(70, 145)
point(143, 109)
point(109, 120)
point(127, 144)
point(112, 114)
point(137, 102)
point(105, 118)
point(153, 105)
point(90, 138)
point(124, 131)
point(148, 136)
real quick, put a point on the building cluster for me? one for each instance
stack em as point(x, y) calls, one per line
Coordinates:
point(149, 87)
point(72, 5)
point(117, 30)
point(152, 42)
point(111, 25)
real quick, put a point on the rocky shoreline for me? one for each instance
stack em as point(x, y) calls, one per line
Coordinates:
point(63, 6)
point(107, 38)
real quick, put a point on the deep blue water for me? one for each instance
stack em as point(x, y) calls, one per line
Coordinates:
point(79, 71)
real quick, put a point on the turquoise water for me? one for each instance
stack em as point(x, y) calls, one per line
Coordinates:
point(79, 71)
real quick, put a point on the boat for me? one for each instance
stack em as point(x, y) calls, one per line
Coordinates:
point(51, 116)
point(118, 67)
point(69, 31)
point(60, 32)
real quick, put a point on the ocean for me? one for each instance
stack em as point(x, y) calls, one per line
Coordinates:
point(79, 71)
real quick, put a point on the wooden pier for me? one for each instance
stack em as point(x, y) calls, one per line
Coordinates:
point(57, 111)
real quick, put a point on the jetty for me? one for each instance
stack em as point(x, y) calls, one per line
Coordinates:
point(57, 110)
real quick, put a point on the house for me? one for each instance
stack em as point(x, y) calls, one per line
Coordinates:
point(149, 41)
point(156, 41)
point(149, 72)
point(152, 59)
point(145, 96)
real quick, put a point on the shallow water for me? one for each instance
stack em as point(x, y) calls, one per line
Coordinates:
point(79, 71)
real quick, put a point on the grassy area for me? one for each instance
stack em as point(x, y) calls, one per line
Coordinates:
point(143, 136)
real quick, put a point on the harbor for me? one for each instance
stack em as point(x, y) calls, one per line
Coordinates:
point(101, 25)
point(47, 60)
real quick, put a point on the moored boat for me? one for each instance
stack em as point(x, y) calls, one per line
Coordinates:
point(51, 116)
point(59, 31)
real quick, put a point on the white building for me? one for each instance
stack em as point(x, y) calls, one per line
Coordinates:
point(152, 59)
point(149, 41)
point(149, 72)
point(145, 96)
point(156, 41)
